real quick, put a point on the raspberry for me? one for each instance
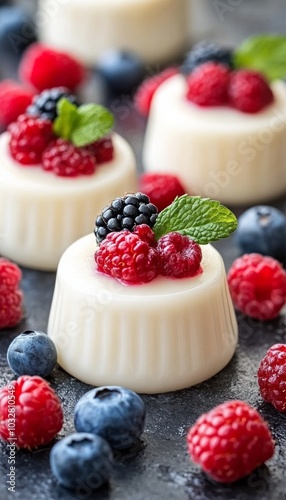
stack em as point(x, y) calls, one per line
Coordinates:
point(144, 95)
point(249, 91)
point(124, 256)
point(14, 100)
point(257, 285)
point(272, 376)
point(146, 234)
point(102, 150)
point(180, 257)
point(36, 409)
point(29, 137)
point(11, 298)
point(45, 103)
point(230, 441)
point(162, 189)
point(208, 84)
point(66, 160)
point(206, 51)
point(45, 68)
point(125, 213)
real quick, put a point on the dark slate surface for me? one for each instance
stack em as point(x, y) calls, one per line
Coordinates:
point(159, 466)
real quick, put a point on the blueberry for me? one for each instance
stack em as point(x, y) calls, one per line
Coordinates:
point(114, 413)
point(206, 51)
point(262, 229)
point(81, 459)
point(121, 71)
point(32, 353)
point(17, 30)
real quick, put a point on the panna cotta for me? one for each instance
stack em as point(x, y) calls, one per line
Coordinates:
point(41, 214)
point(218, 151)
point(156, 30)
point(155, 337)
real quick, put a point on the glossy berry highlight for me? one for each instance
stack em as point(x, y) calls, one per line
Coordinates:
point(180, 257)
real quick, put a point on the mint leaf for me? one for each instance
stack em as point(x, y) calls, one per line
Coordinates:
point(202, 219)
point(94, 122)
point(264, 53)
point(66, 120)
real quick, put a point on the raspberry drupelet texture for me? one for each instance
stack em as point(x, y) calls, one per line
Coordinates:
point(45, 103)
point(125, 213)
point(257, 286)
point(66, 160)
point(144, 95)
point(38, 412)
point(230, 441)
point(208, 85)
point(126, 257)
point(11, 297)
point(272, 377)
point(102, 150)
point(180, 257)
point(162, 189)
point(249, 91)
point(29, 137)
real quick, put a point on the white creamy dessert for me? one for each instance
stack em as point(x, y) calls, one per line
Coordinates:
point(218, 152)
point(41, 214)
point(157, 30)
point(161, 336)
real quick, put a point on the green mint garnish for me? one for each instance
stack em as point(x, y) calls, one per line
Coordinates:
point(82, 125)
point(264, 53)
point(202, 219)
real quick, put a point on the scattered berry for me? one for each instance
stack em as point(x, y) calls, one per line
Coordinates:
point(262, 229)
point(32, 353)
point(121, 71)
point(272, 376)
point(14, 99)
point(206, 51)
point(249, 91)
point(230, 441)
point(125, 213)
point(45, 68)
point(162, 189)
point(17, 30)
point(38, 412)
point(124, 256)
point(144, 94)
point(180, 257)
point(102, 150)
point(257, 285)
point(45, 103)
point(29, 137)
point(11, 297)
point(208, 85)
point(66, 160)
point(114, 413)
point(81, 458)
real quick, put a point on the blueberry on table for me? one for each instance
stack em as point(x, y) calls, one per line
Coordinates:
point(262, 229)
point(114, 413)
point(81, 459)
point(32, 353)
point(121, 71)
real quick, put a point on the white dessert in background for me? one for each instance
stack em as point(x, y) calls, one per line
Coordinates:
point(157, 337)
point(218, 152)
point(41, 214)
point(156, 30)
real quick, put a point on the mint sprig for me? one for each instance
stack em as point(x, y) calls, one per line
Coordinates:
point(82, 125)
point(264, 53)
point(201, 219)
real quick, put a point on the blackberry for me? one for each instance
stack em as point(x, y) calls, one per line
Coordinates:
point(125, 213)
point(206, 51)
point(45, 103)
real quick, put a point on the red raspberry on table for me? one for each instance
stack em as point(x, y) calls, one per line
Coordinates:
point(126, 257)
point(180, 257)
point(37, 411)
point(11, 297)
point(257, 286)
point(249, 91)
point(272, 377)
point(207, 84)
point(102, 150)
point(29, 137)
point(14, 99)
point(230, 441)
point(66, 160)
point(45, 68)
point(10, 274)
point(144, 95)
point(162, 189)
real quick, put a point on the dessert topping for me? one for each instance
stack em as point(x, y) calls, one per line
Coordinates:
point(180, 257)
point(249, 91)
point(162, 189)
point(208, 84)
point(272, 376)
point(11, 297)
point(206, 51)
point(230, 441)
point(45, 103)
point(14, 99)
point(66, 160)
